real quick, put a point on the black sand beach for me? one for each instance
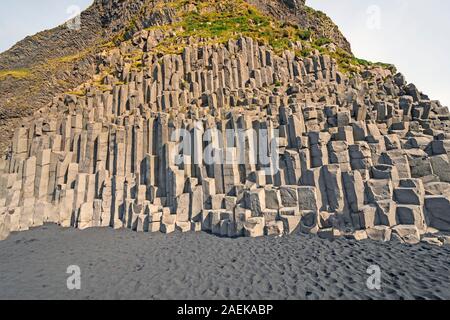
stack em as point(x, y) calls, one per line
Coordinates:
point(127, 265)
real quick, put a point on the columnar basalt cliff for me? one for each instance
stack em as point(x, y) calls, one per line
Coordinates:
point(354, 149)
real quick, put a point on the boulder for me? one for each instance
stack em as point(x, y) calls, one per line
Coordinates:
point(438, 208)
point(386, 212)
point(379, 233)
point(290, 223)
point(407, 233)
point(274, 228)
point(359, 235)
point(410, 215)
point(309, 223)
point(254, 227)
point(167, 228)
point(329, 233)
point(434, 241)
point(183, 226)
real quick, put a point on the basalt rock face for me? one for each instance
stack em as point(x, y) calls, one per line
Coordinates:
point(233, 138)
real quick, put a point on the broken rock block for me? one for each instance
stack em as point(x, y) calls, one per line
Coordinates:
point(309, 223)
point(141, 224)
point(183, 226)
point(329, 233)
point(217, 201)
point(274, 228)
point(379, 233)
point(167, 228)
point(216, 217)
point(4, 226)
point(386, 212)
point(85, 216)
point(241, 215)
point(385, 172)
point(254, 227)
point(272, 199)
point(378, 190)
point(307, 198)
point(206, 220)
point(408, 196)
point(182, 203)
point(411, 215)
point(358, 235)
point(294, 211)
point(256, 202)
point(399, 160)
point(432, 241)
point(270, 215)
point(232, 229)
point(368, 217)
point(168, 224)
point(224, 225)
point(438, 189)
point(289, 196)
point(290, 223)
point(438, 208)
point(407, 233)
point(410, 191)
point(441, 167)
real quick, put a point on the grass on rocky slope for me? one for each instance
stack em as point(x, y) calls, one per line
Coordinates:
point(223, 20)
point(347, 62)
point(15, 73)
point(238, 17)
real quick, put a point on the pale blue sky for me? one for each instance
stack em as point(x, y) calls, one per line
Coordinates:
point(21, 18)
point(412, 34)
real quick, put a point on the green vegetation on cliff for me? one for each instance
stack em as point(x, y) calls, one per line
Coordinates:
point(219, 21)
